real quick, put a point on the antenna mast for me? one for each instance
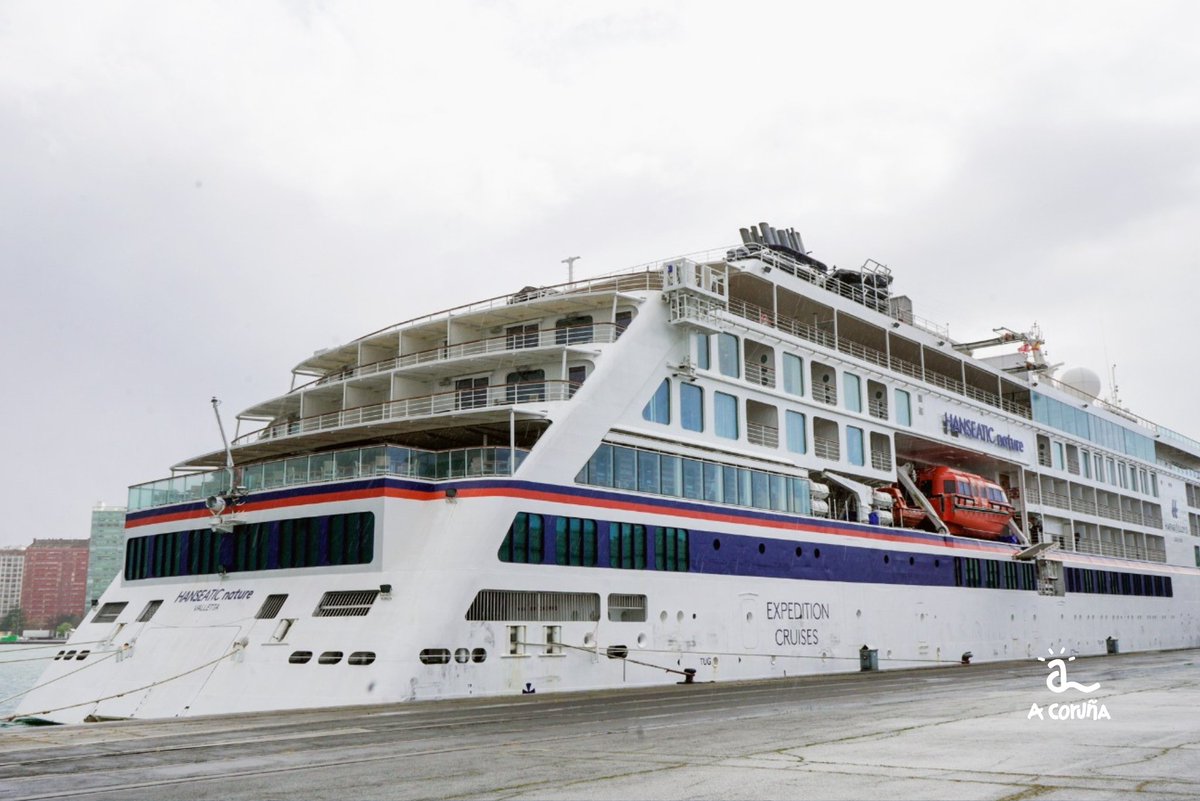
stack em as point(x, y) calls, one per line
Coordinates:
point(570, 262)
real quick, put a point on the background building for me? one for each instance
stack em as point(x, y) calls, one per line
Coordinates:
point(54, 583)
point(104, 551)
point(12, 567)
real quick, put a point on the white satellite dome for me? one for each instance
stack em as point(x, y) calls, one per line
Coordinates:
point(1083, 380)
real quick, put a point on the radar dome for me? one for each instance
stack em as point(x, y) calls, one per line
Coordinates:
point(1083, 380)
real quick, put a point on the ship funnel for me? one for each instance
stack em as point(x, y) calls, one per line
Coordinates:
point(746, 240)
point(768, 234)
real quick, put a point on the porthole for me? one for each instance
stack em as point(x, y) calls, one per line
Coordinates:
point(617, 651)
point(717, 544)
point(762, 548)
point(912, 561)
point(937, 562)
point(59, 655)
point(641, 641)
point(435, 656)
point(799, 551)
point(886, 559)
point(300, 657)
point(69, 655)
point(361, 658)
point(83, 655)
point(662, 617)
point(816, 553)
point(461, 655)
point(679, 616)
point(330, 658)
point(478, 655)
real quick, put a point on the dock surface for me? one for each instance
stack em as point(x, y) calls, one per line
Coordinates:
point(946, 732)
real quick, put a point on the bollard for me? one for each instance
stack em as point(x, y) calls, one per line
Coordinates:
point(868, 658)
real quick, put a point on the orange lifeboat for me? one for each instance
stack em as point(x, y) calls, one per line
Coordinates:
point(969, 505)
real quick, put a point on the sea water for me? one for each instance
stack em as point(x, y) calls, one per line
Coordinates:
point(20, 666)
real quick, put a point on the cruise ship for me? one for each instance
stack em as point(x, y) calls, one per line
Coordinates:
point(736, 465)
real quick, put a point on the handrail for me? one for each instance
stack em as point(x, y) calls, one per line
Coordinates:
point(340, 465)
point(542, 391)
point(600, 333)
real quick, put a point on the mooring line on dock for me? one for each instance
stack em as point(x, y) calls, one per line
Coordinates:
point(235, 649)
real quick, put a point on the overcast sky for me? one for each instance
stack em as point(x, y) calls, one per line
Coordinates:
point(195, 196)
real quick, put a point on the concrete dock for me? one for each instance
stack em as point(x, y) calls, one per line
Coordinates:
point(947, 732)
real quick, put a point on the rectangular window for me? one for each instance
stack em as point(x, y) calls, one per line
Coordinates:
point(575, 542)
point(627, 546)
point(727, 355)
point(712, 482)
point(647, 471)
point(903, 408)
point(693, 479)
point(658, 408)
point(522, 336)
point(1085, 461)
point(600, 467)
point(691, 407)
point(854, 445)
point(793, 374)
point(624, 468)
point(672, 475)
point(703, 359)
point(671, 549)
point(725, 413)
point(853, 387)
point(795, 432)
point(1056, 455)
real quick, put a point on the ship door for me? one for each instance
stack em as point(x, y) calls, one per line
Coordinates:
point(748, 619)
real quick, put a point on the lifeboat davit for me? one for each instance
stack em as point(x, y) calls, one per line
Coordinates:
point(969, 505)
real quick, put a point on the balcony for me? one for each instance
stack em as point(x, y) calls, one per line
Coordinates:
point(597, 333)
point(453, 401)
point(762, 375)
point(379, 460)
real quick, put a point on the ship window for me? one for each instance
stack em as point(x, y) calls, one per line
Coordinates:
point(760, 492)
point(330, 658)
point(671, 482)
point(658, 408)
point(521, 336)
point(1085, 461)
point(725, 412)
point(300, 657)
point(795, 423)
point(693, 479)
point(671, 549)
point(109, 612)
point(523, 543)
point(624, 468)
point(853, 388)
point(647, 467)
point(727, 355)
point(575, 542)
point(793, 374)
point(702, 352)
point(854, 445)
point(627, 546)
point(600, 467)
point(361, 658)
point(435, 656)
point(903, 408)
point(534, 606)
point(691, 407)
point(624, 608)
point(712, 482)
point(148, 611)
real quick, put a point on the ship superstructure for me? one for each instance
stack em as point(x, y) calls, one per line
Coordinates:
point(735, 465)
